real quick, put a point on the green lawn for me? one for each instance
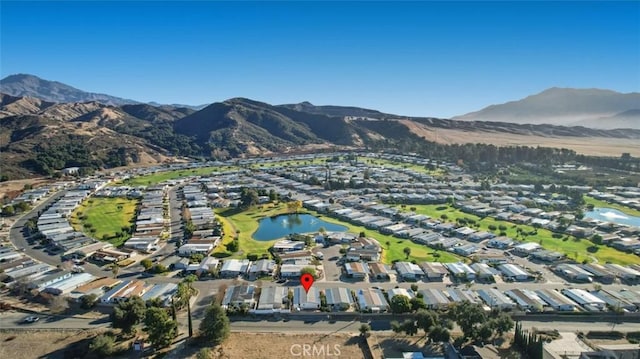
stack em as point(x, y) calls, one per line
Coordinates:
point(575, 248)
point(600, 204)
point(246, 223)
point(155, 178)
point(99, 216)
point(387, 163)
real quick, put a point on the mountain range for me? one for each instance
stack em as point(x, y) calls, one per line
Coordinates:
point(42, 133)
point(25, 85)
point(593, 108)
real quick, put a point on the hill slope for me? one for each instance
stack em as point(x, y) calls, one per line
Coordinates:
point(564, 106)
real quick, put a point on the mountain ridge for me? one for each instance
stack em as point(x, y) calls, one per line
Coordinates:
point(27, 85)
point(563, 106)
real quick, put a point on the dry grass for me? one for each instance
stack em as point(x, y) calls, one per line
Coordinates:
point(278, 345)
point(40, 344)
point(12, 189)
point(600, 146)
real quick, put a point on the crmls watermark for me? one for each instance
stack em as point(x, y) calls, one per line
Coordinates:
point(315, 350)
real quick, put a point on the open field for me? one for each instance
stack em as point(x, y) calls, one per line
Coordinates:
point(107, 216)
point(244, 224)
point(278, 345)
point(577, 249)
point(601, 204)
point(418, 168)
point(596, 146)
point(43, 344)
point(12, 189)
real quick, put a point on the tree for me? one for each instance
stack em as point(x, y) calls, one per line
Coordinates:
point(417, 303)
point(407, 251)
point(161, 328)
point(88, 301)
point(115, 269)
point(294, 206)
point(468, 316)
point(103, 345)
point(409, 327)
point(248, 197)
point(502, 324)
point(215, 325)
point(439, 334)
point(146, 263)
point(364, 329)
point(388, 244)
point(400, 304)
point(8, 210)
point(126, 315)
point(308, 270)
point(426, 319)
point(58, 304)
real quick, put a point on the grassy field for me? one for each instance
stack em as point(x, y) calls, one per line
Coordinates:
point(245, 223)
point(418, 168)
point(106, 216)
point(601, 204)
point(155, 178)
point(577, 249)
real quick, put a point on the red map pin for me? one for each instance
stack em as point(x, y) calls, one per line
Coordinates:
point(307, 281)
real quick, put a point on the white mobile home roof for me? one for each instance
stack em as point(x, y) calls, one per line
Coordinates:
point(583, 297)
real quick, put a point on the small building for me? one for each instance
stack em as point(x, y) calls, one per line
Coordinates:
point(461, 271)
point(356, 270)
point(556, 300)
point(262, 268)
point(292, 270)
point(433, 271)
point(408, 271)
point(526, 299)
point(434, 298)
point(188, 249)
point(338, 298)
point(272, 299)
point(234, 267)
point(238, 296)
point(371, 300)
point(378, 271)
point(513, 272)
point(400, 291)
point(573, 272)
point(500, 242)
point(484, 271)
point(525, 249)
point(495, 299)
point(585, 299)
point(306, 300)
point(286, 245)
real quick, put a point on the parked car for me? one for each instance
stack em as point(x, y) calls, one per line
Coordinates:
point(31, 319)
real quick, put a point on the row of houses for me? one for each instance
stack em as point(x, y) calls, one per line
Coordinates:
point(284, 299)
point(203, 239)
point(604, 273)
point(151, 220)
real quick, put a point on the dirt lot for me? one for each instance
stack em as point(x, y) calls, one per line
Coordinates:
point(274, 345)
point(41, 344)
point(586, 145)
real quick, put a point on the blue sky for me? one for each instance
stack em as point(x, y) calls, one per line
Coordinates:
point(412, 58)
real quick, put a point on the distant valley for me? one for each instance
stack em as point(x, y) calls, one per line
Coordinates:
point(41, 133)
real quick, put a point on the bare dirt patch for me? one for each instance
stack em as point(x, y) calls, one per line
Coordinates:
point(12, 189)
point(279, 345)
point(600, 146)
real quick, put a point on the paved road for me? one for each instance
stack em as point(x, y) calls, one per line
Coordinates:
point(13, 320)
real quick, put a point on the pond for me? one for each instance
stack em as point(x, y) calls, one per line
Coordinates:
point(281, 226)
point(613, 216)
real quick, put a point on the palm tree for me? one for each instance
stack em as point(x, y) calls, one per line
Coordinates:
point(407, 251)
